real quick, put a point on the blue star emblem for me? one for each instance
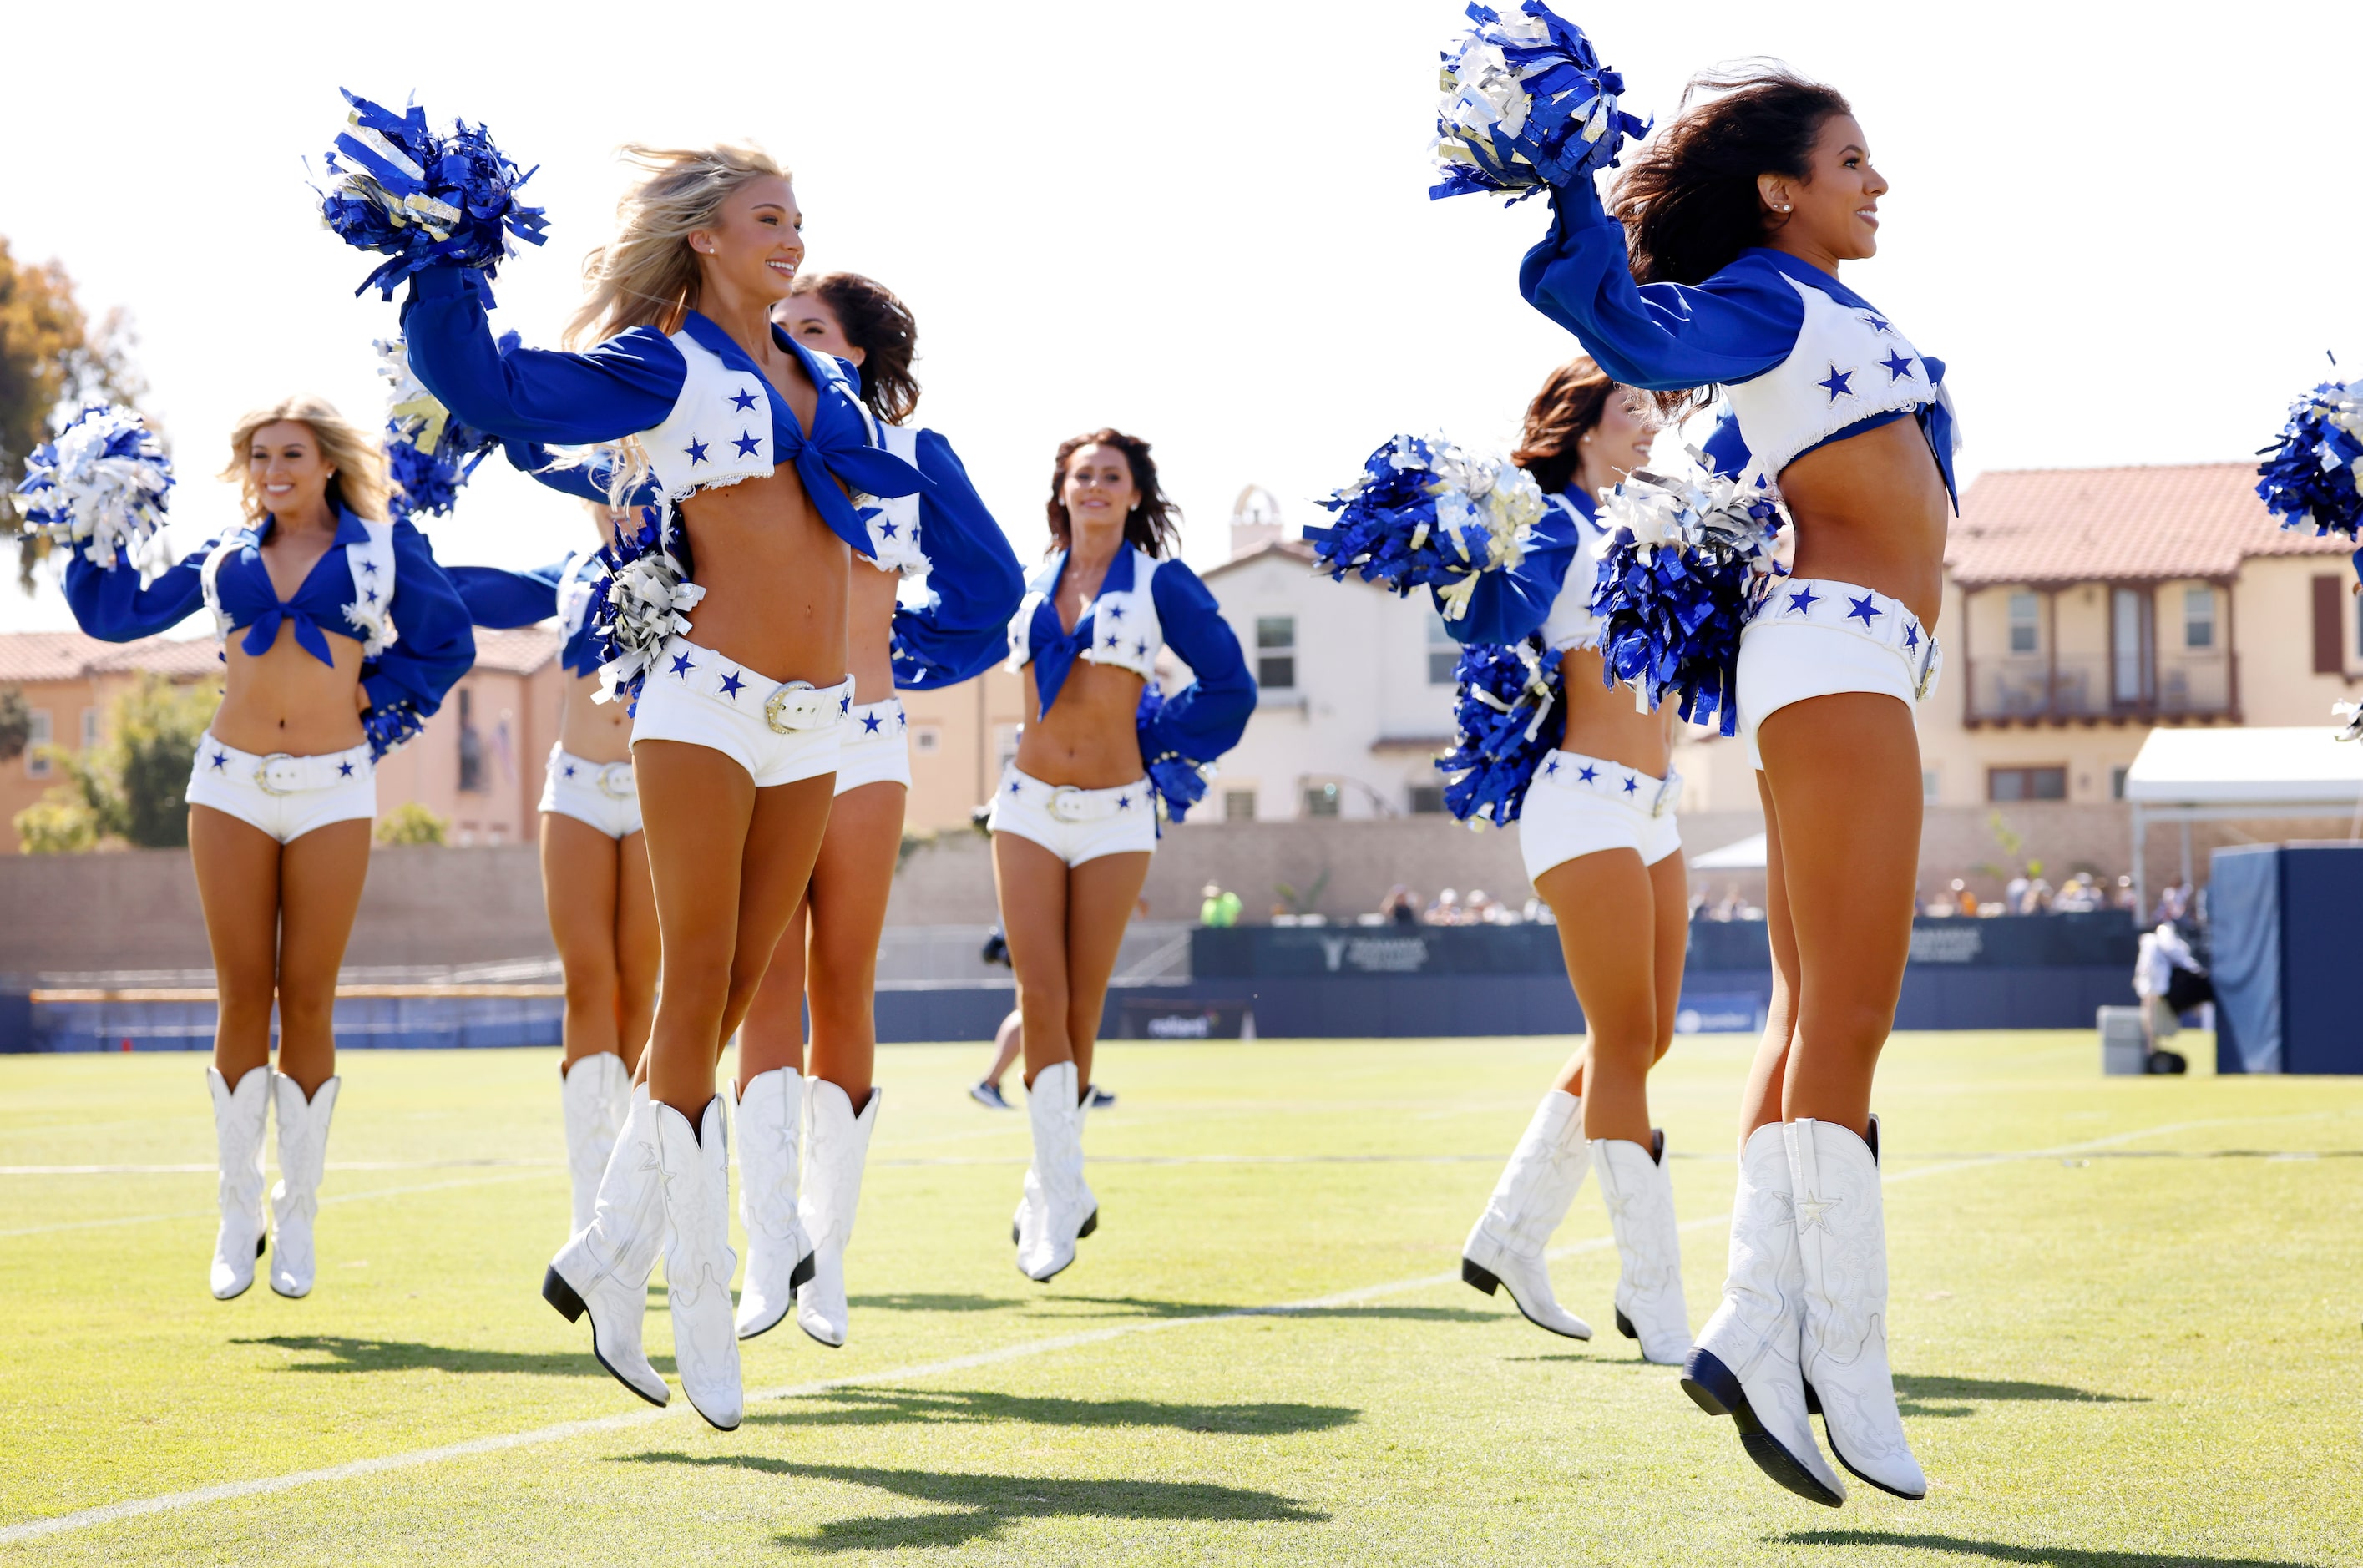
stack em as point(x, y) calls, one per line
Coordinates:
point(1551, 769)
point(845, 704)
point(1898, 367)
point(1911, 636)
point(1875, 322)
point(746, 444)
point(369, 568)
point(1630, 787)
point(1863, 610)
point(371, 594)
point(886, 530)
point(902, 719)
point(731, 684)
point(1115, 612)
point(221, 761)
point(1013, 786)
point(344, 769)
point(682, 665)
point(743, 401)
point(1838, 384)
point(570, 770)
point(1803, 602)
point(1124, 803)
point(1589, 773)
point(1141, 650)
point(870, 723)
point(696, 451)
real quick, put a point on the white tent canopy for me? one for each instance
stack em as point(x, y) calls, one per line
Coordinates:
point(1748, 854)
point(2198, 775)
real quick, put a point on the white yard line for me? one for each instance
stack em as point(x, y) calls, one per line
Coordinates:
point(170, 1502)
point(208, 1169)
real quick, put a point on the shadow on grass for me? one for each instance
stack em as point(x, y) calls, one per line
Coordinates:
point(347, 1354)
point(881, 1406)
point(1140, 1306)
point(917, 1301)
point(1917, 1395)
point(979, 1507)
point(2038, 1556)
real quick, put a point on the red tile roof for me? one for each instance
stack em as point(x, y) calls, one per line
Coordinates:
point(71, 656)
point(2084, 524)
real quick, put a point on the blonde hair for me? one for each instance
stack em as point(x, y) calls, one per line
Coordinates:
point(359, 482)
point(647, 275)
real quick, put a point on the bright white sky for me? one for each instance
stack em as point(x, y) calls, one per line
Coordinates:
point(2130, 236)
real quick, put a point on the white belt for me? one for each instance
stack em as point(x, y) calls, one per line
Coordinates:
point(788, 707)
point(1626, 786)
point(1863, 612)
point(283, 772)
point(1072, 804)
point(612, 780)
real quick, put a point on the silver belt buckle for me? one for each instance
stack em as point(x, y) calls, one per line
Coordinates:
point(788, 700)
point(1932, 664)
point(263, 779)
point(1670, 789)
point(615, 781)
point(1067, 804)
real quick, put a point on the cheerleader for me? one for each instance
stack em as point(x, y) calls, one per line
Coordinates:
point(1074, 819)
point(594, 858)
point(751, 442)
point(966, 584)
point(339, 636)
point(1720, 268)
point(1598, 834)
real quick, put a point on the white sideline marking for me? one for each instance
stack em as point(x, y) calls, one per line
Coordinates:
point(207, 1170)
point(209, 1213)
point(267, 1485)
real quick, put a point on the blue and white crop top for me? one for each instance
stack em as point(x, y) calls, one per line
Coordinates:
point(1144, 604)
point(1804, 359)
point(377, 585)
point(1549, 590)
point(504, 600)
point(701, 409)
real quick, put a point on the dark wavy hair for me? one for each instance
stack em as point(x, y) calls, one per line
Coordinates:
point(1154, 523)
point(882, 327)
point(1688, 203)
point(1569, 405)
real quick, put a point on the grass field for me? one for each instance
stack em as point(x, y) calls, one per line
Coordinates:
point(2126, 1326)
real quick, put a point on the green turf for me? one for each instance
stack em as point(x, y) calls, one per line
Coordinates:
point(2107, 1358)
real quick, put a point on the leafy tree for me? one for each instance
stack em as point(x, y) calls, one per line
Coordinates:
point(15, 724)
point(132, 787)
point(50, 359)
point(60, 823)
point(412, 823)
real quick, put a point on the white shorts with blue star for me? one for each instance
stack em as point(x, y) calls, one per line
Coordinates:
point(1076, 825)
point(282, 796)
point(1817, 637)
point(1579, 806)
point(598, 795)
point(779, 733)
point(876, 747)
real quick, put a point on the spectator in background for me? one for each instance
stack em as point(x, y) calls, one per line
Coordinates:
point(2173, 903)
point(2123, 897)
point(2013, 895)
point(1401, 907)
point(2036, 898)
point(1446, 910)
point(1220, 909)
point(1477, 909)
point(1965, 898)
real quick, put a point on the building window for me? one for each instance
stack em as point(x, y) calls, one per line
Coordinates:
point(2116, 784)
point(1428, 800)
point(1276, 653)
point(2199, 618)
point(90, 729)
point(2024, 625)
point(1238, 806)
point(1321, 800)
point(927, 739)
point(1443, 653)
point(2027, 784)
point(471, 747)
point(1928, 785)
point(39, 733)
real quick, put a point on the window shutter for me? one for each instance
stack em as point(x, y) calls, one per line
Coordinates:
point(2329, 646)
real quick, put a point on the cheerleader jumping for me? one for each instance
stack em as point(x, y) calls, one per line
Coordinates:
point(339, 636)
point(1719, 268)
point(751, 442)
point(1597, 830)
point(1074, 817)
point(965, 583)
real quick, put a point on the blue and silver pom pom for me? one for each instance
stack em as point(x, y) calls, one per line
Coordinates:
point(640, 604)
point(1527, 106)
point(1691, 560)
point(389, 727)
point(1426, 514)
point(102, 486)
point(1506, 715)
point(420, 199)
point(2313, 476)
point(428, 453)
point(1178, 782)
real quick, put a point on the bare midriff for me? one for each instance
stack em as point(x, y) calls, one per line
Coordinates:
point(774, 577)
point(285, 700)
point(1602, 721)
point(590, 730)
point(1871, 510)
point(1088, 740)
point(870, 632)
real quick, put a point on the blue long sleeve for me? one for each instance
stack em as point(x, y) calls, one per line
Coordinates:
point(974, 580)
point(109, 604)
point(1207, 717)
point(1510, 606)
point(433, 646)
point(1737, 325)
point(504, 600)
point(625, 385)
point(584, 481)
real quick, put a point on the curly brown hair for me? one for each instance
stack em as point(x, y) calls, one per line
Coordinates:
point(1569, 405)
point(1154, 524)
point(882, 327)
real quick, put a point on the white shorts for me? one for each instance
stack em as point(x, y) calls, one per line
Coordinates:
point(1076, 825)
point(1815, 638)
point(285, 796)
point(600, 794)
point(778, 733)
point(1579, 806)
point(876, 747)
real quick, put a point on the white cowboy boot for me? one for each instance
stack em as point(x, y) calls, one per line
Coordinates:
point(1640, 1194)
point(1744, 1365)
point(779, 1251)
point(239, 1116)
point(1842, 1240)
point(699, 1261)
point(1506, 1246)
point(1057, 1202)
point(1031, 1191)
point(295, 1200)
point(597, 1093)
point(604, 1267)
point(839, 1144)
